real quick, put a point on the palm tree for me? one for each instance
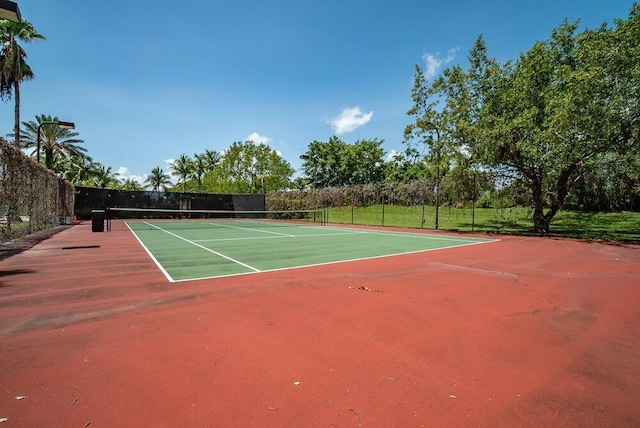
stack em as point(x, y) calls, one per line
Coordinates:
point(79, 170)
point(158, 179)
point(13, 67)
point(104, 178)
point(211, 158)
point(183, 168)
point(54, 139)
point(199, 168)
point(130, 184)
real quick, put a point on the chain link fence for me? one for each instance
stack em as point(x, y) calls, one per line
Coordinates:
point(32, 198)
point(471, 204)
point(416, 204)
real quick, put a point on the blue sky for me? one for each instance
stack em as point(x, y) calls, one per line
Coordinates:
point(145, 81)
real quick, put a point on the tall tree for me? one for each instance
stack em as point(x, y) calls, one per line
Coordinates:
point(364, 162)
point(550, 116)
point(199, 165)
point(406, 166)
point(431, 126)
point(250, 168)
point(13, 66)
point(212, 159)
point(183, 168)
point(130, 184)
point(79, 169)
point(323, 163)
point(104, 178)
point(560, 109)
point(158, 179)
point(336, 163)
point(54, 140)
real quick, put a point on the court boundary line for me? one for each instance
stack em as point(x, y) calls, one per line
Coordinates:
point(488, 241)
point(281, 236)
point(144, 247)
point(347, 230)
point(202, 247)
point(250, 229)
point(346, 227)
point(217, 253)
point(358, 229)
point(408, 233)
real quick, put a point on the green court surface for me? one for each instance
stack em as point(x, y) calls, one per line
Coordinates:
point(189, 250)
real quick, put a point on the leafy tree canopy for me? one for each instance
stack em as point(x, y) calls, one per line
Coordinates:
point(247, 167)
point(547, 118)
point(336, 163)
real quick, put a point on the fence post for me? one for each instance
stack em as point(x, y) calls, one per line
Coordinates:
point(473, 203)
point(437, 193)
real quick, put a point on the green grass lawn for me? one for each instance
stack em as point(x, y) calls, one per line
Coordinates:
point(620, 226)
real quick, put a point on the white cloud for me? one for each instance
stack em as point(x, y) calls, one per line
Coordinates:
point(257, 138)
point(350, 119)
point(124, 174)
point(433, 62)
point(169, 161)
point(392, 155)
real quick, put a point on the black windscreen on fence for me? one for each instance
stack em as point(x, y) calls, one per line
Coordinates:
point(88, 199)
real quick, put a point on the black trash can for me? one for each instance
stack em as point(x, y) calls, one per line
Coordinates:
point(97, 220)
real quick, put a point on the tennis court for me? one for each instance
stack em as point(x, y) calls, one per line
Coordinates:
point(524, 331)
point(207, 248)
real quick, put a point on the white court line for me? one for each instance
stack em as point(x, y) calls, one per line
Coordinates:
point(408, 234)
point(342, 261)
point(250, 238)
point(346, 231)
point(162, 269)
point(353, 229)
point(428, 236)
point(251, 229)
point(339, 231)
point(204, 248)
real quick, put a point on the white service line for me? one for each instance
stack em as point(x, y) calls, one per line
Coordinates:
point(251, 238)
point(205, 248)
point(411, 234)
point(251, 229)
point(382, 256)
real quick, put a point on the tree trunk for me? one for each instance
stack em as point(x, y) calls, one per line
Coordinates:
point(541, 223)
point(48, 158)
point(16, 112)
point(540, 220)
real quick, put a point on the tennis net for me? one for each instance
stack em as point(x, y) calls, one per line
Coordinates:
point(162, 219)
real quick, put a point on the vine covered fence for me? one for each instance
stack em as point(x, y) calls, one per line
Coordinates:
point(32, 198)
